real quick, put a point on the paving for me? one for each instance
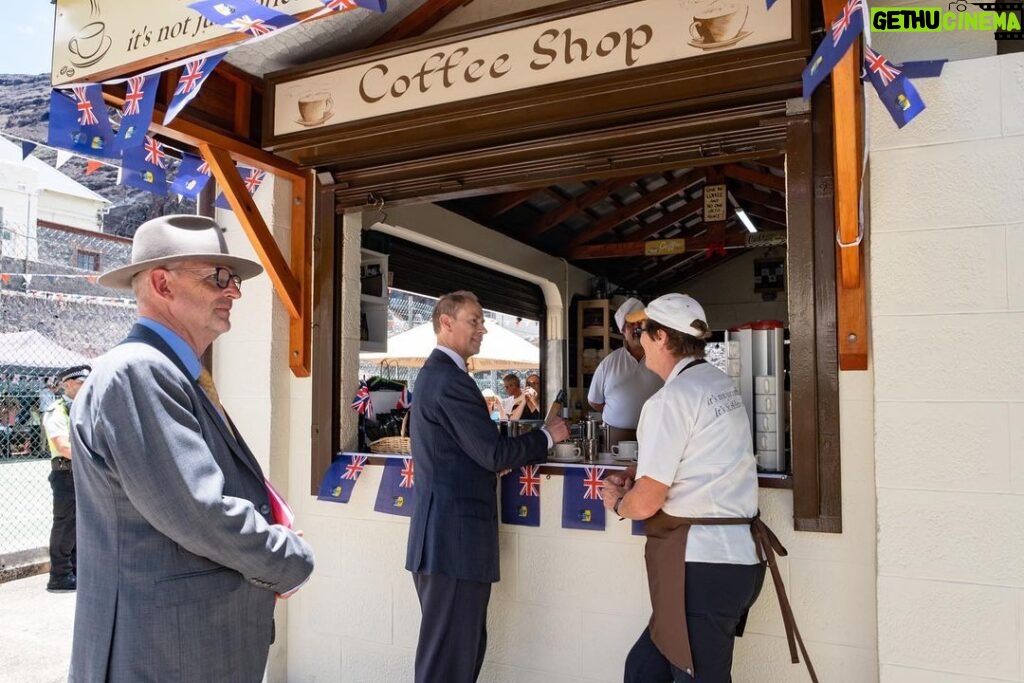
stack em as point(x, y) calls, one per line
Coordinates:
point(35, 631)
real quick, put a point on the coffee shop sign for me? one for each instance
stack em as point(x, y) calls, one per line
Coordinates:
point(625, 36)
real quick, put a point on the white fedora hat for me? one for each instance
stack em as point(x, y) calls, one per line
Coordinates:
point(169, 239)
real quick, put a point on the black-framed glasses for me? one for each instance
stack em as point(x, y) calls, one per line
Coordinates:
point(639, 330)
point(221, 276)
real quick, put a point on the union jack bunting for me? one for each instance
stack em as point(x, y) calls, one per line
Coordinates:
point(253, 179)
point(347, 5)
point(142, 167)
point(404, 399)
point(244, 16)
point(137, 112)
point(520, 496)
point(361, 402)
point(582, 505)
point(340, 479)
point(844, 32)
point(396, 493)
point(193, 75)
point(897, 94)
point(193, 175)
point(79, 122)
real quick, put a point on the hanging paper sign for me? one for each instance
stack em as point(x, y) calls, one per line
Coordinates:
point(714, 203)
point(340, 479)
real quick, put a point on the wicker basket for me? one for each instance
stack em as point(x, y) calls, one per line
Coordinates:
point(399, 445)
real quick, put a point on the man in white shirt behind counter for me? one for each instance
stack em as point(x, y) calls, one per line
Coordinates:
point(622, 382)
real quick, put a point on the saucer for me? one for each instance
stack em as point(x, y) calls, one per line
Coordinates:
point(607, 455)
point(622, 458)
point(571, 458)
point(722, 43)
point(89, 61)
point(318, 122)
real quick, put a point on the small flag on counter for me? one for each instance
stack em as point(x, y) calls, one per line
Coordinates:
point(143, 167)
point(897, 93)
point(193, 174)
point(244, 16)
point(137, 112)
point(845, 30)
point(340, 479)
point(582, 505)
point(192, 78)
point(395, 495)
point(520, 496)
point(252, 177)
point(361, 402)
point(79, 122)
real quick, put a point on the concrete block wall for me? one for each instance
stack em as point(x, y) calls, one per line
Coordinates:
point(947, 314)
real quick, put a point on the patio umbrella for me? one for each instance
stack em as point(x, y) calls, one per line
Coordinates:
point(500, 350)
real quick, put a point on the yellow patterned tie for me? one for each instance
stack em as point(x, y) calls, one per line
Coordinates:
point(206, 382)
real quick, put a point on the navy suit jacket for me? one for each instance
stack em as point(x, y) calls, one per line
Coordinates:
point(457, 451)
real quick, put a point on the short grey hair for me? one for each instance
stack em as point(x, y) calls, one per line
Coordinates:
point(449, 305)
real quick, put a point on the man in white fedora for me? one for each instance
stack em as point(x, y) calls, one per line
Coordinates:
point(180, 557)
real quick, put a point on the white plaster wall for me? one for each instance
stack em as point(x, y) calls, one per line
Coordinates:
point(947, 304)
point(66, 209)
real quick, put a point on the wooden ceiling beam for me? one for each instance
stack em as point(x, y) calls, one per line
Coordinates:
point(697, 269)
point(506, 202)
point(574, 206)
point(669, 219)
point(746, 193)
point(669, 247)
point(749, 175)
point(611, 221)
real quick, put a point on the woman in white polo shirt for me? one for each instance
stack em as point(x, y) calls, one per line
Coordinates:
point(696, 464)
point(622, 381)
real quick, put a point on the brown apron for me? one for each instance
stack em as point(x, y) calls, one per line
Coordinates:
point(666, 574)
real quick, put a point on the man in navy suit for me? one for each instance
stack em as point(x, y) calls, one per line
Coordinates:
point(453, 535)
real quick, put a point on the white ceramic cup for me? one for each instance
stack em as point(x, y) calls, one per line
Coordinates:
point(566, 451)
point(626, 449)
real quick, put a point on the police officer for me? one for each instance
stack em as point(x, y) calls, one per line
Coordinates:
point(56, 426)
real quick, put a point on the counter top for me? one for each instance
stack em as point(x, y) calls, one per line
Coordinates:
point(765, 479)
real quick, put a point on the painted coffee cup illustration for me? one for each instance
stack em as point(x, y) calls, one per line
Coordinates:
point(315, 106)
point(718, 21)
point(90, 42)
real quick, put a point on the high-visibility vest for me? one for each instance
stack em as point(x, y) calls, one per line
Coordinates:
point(56, 422)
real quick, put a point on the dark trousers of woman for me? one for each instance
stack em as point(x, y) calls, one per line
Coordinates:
point(718, 597)
point(62, 533)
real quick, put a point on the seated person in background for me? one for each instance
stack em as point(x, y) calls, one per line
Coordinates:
point(516, 403)
point(532, 392)
point(622, 381)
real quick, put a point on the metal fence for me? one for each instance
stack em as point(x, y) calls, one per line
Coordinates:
point(52, 315)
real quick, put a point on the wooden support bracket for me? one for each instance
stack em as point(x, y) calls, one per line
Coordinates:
point(293, 289)
point(848, 136)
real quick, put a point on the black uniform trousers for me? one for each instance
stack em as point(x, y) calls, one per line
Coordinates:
point(62, 533)
point(718, 597)
point(453, 628)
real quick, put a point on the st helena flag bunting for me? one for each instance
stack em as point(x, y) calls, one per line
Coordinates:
point(340, 479)
point(395, 495)
point(520, 496)
point(582, 505)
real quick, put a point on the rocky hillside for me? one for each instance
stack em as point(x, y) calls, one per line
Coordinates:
point(24, 112)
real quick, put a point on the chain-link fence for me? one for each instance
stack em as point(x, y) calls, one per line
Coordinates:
point(52, 315)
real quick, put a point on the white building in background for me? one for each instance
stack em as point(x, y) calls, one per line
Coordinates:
point(32, 191)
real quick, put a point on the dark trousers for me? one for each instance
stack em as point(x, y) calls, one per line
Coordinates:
point(718, 597)
point(62, 533)
point(453, 628)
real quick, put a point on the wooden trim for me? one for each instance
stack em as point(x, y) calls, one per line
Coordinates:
point(300, 329)
point(224, 171)
point(666, 247)
point(325, 440)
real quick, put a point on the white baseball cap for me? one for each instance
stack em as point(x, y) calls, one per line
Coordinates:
point(676, 311)
point(624, 310)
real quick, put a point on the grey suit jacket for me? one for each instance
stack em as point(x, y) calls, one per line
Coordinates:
point(178, 559)
point(457, 451)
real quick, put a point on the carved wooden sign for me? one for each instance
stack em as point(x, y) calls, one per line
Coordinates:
point(664, 247)
point(93, 39)
point(620, 37)
point(714, 203)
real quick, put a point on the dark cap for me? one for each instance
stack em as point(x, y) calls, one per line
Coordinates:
point(74, 372)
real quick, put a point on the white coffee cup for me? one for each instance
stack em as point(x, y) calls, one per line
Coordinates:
point(626, 450)
point(567, 451)
point(315, 106)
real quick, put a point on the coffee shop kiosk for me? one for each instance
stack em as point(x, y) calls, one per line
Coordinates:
point(569, 142)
